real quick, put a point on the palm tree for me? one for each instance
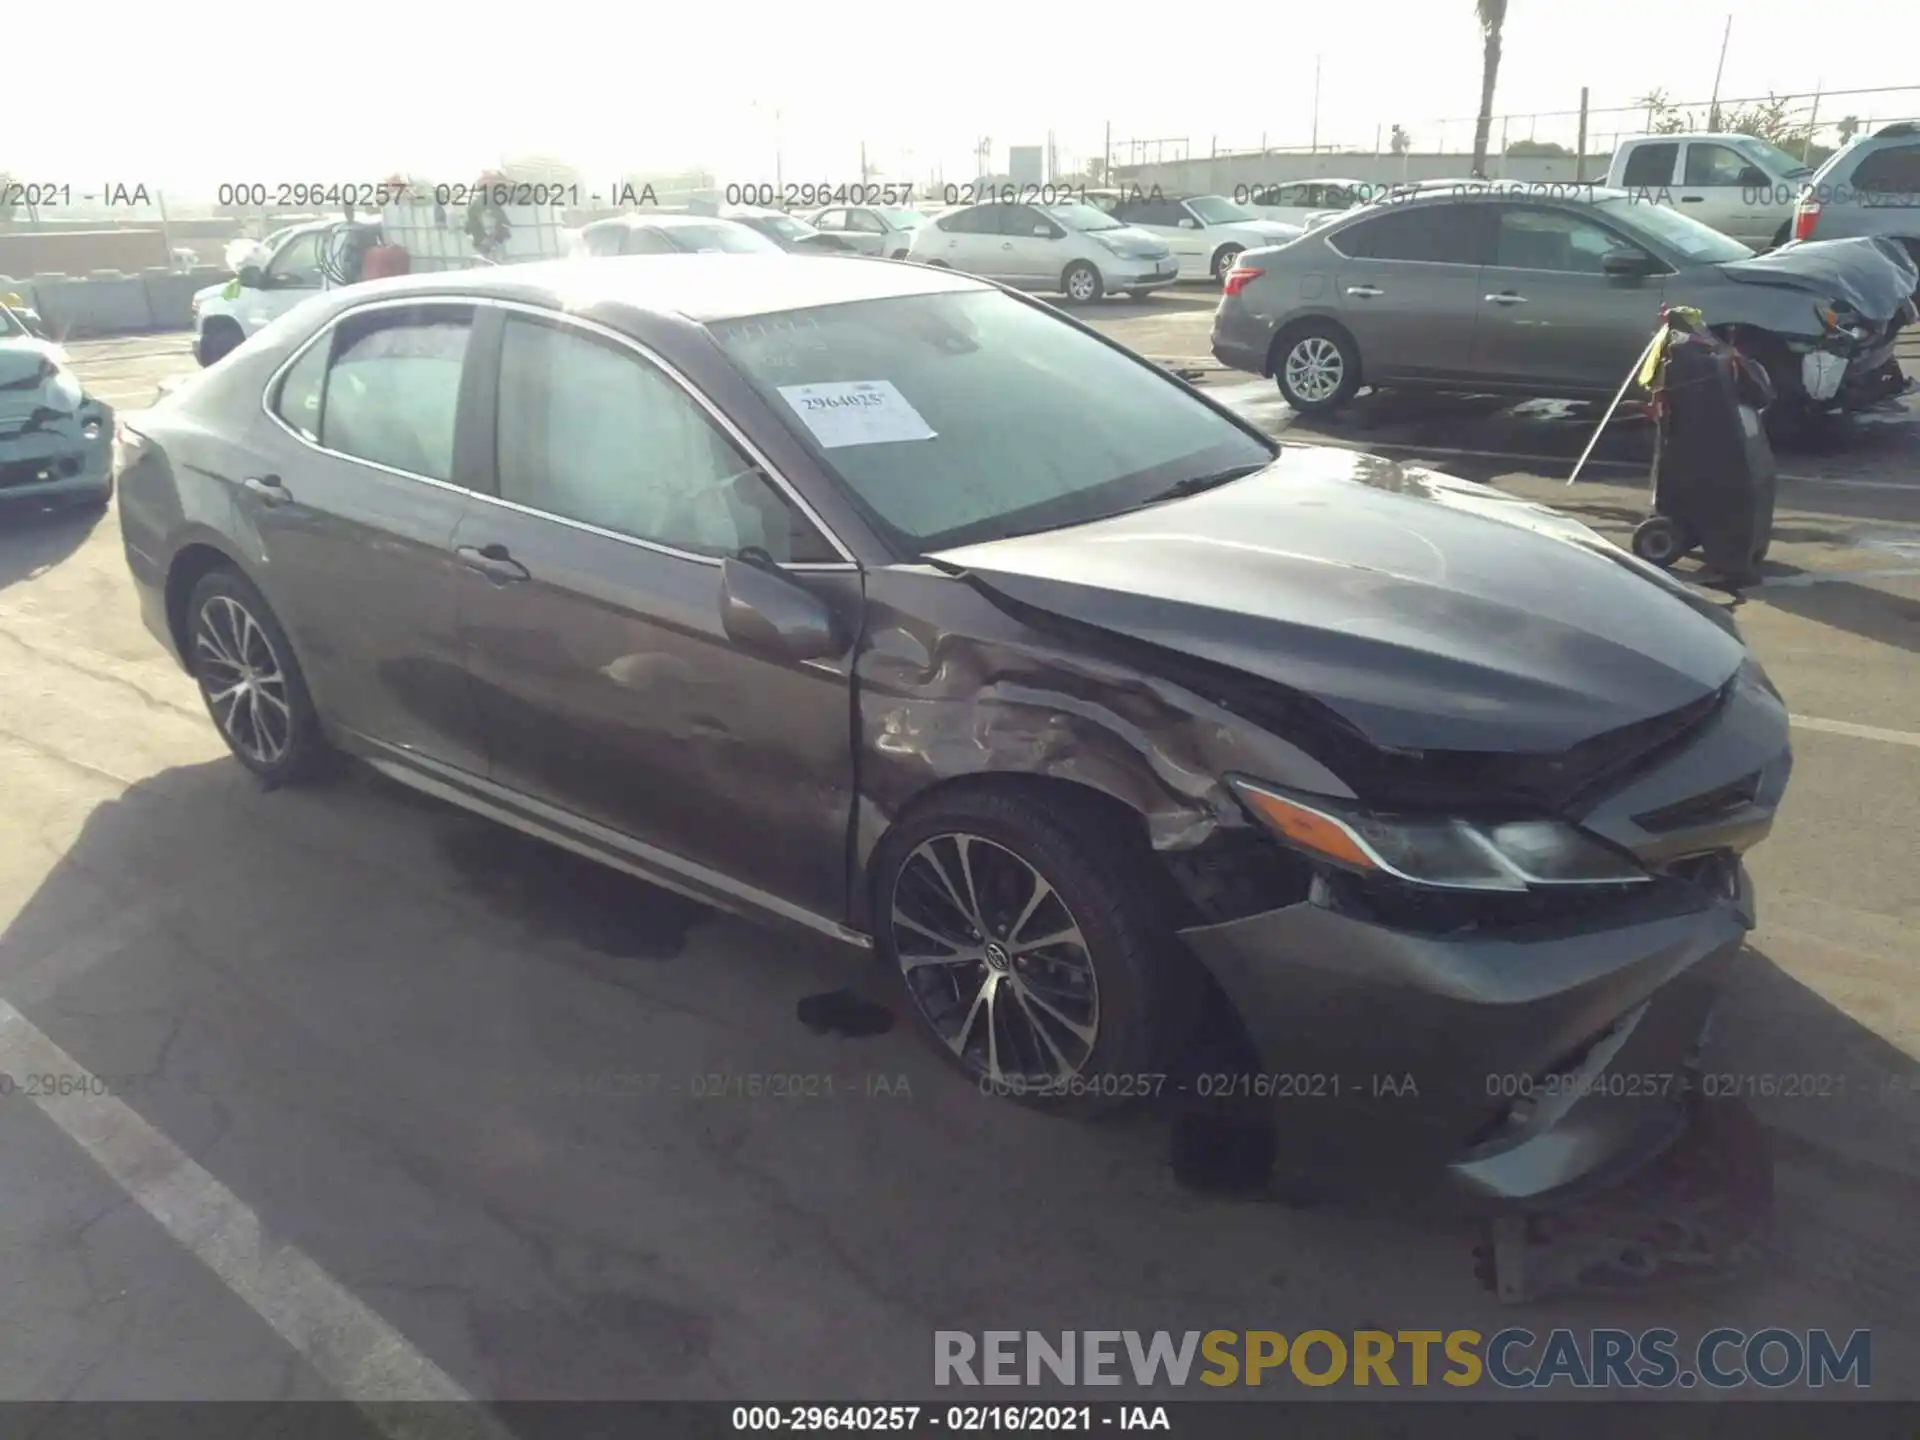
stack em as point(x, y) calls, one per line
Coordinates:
point(1493, 15)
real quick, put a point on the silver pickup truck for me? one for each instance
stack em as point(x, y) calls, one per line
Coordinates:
point(1737, 184)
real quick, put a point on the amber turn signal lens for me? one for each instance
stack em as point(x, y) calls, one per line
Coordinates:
point(1310, 830)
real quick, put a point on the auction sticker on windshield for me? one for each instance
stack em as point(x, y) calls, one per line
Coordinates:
point(856, 412)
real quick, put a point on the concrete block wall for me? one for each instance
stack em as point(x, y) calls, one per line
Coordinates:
point(111, 302)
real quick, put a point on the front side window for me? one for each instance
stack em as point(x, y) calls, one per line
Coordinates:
point(1715, 165)
point(1556, 240)
point(968, 416)
point(830, 220)
point(645, 240)
point(590, 431)
point(392, 393)
point(604, 239)
point(297, 264)
point(866, 222)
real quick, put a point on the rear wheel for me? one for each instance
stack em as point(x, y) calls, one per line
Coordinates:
point(250, 681)
point(1082, 283)
point(1031, 948)
point(1316, 366)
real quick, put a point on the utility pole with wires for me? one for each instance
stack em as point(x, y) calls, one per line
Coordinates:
point(1713, 105)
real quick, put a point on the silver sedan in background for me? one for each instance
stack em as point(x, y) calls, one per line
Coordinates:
point(1505, 288)
point(1077, 250)
point(884, 230)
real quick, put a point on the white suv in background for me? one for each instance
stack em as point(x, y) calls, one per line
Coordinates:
point(1077, 250)
point(272, 277)
point(1206, 232)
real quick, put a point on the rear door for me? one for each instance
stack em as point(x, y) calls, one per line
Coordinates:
point(1882, 197)
point(593, 625)
point(355, 499)
point(1550, 315)
point(1407, 285)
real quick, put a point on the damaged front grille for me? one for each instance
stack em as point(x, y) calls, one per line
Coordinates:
point(17, 473)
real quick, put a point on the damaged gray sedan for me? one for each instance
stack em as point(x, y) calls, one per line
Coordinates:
point(1554, 290)
point(885, 604)
point(56, 440)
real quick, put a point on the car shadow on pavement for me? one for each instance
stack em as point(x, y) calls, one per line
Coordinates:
point(35, 537)
point(1848, 605)
point(569, 1164)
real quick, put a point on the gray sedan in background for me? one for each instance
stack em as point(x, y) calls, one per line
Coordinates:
point(1553, 291)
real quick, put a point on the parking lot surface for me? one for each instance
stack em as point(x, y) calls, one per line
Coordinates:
point(369, 1098)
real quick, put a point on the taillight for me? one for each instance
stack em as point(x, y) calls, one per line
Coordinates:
point(1241, 276)
point(1806, 215)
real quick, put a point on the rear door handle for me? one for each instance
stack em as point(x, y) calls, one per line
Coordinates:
point(494, 562)
point(1365, 292)
point(268, 488)
point(1507, 297)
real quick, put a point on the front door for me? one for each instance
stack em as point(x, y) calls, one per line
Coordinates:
point(866, 232)
point(1722, 188)
point(1551, 315)
point(593, 629)
point(1031, 244)
point(1168, 221)
point(293, 272)
point(353, 492)
point(1407, 285)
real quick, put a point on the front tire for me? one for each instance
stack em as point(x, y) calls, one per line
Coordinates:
point(1316, 366)
point(1032, 949)
point(1223, 261)
point(1662, 540)
point(250, 682)
point(1082, 283)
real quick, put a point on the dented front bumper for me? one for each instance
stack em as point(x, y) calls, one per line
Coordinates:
point(1521, 1069)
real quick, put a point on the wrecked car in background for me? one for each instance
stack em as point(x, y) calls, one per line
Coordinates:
point(1555, 290)
point(56, 440)
point(1111, 738)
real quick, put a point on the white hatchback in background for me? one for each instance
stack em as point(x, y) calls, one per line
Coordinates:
point(1205, 232)
point(1077, 250)
point(1307, 203)
point(884, 230)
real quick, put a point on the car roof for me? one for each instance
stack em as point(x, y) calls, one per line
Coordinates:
point(661, 219)
point(700, 287)
point(1566, 191)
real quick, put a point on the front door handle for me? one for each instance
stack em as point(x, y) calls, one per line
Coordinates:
point(1692, 199)
point(1365, 292)
point(1506, 297)
point(268, 488)
point(494, 562)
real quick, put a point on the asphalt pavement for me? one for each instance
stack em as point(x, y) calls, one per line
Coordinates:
point(367, 1098)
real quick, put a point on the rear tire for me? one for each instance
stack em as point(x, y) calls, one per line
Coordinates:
point(251, 683)
point(964, 885)
point(1082, 283)
point(1316, 365)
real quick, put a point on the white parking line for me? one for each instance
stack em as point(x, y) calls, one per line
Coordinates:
point(1858, 732)
point(359, 1354)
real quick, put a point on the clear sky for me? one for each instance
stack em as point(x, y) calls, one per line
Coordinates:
point(186, 96)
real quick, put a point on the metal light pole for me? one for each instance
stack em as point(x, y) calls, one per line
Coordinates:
point(1315, 145)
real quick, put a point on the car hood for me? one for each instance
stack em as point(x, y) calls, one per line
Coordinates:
point(1873, 276)
point(25, 358)
point(1271, 232)
point(1138, 244)
point(1429, 613)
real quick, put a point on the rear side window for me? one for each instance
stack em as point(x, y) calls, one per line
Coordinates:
point(1892, 171)
point(1436, 234)
point(642, 240)
point(1650, 166)
point(393, 390)
point(301, 389)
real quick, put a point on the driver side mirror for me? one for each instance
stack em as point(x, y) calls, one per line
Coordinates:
point(1187, 222)
point(1047, 232)
point(252, 277)
point(1626, 264)
point(764, 611)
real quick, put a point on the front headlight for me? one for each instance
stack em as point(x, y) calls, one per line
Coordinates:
point(64, 390)
point(1445, 853)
